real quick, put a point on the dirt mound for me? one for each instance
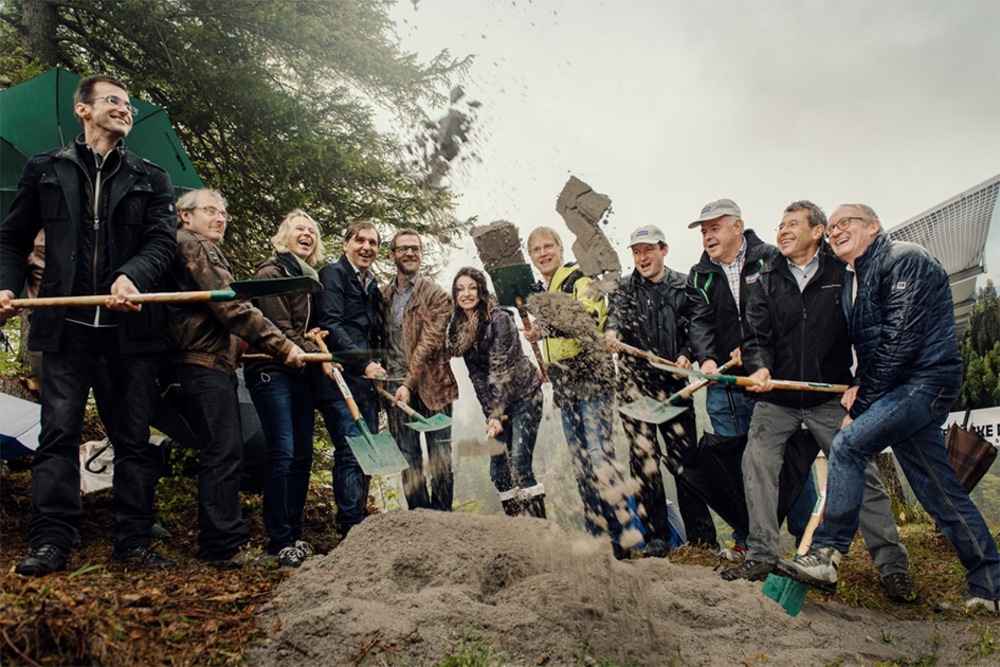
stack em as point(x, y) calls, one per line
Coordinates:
point(406, 587)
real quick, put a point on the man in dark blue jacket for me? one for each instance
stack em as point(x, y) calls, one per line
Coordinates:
point(108, 217)
point(795, 328)
point(350, 309)
point(902, 323)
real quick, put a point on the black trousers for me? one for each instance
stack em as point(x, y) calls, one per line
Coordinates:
point(644, 464)
point(67, 377)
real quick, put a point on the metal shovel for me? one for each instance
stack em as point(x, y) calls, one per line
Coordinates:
point(489, 447)
point(377, 453)
point(657, 412)
point(435, 422)
point(238, 289)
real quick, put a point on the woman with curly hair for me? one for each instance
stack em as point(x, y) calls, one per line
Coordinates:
point(506, 383)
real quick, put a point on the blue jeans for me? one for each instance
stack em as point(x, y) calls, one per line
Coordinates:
point(587, 426)
point(207, 400)
point(732, 420)
point(908, 418)
point(513, 470)
point(286, 408)
point(350, 483)
point(442, 478)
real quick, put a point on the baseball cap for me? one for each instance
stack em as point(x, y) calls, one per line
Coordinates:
point(647, 234)
point(717, 209)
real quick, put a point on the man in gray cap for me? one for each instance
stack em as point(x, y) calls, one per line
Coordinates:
point(649, 310)
point(718, 288)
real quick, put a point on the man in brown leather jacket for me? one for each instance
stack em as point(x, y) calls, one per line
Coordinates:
point(416, 323)
point(200, 376)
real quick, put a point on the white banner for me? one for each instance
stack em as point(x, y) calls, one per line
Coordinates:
point(985, 421)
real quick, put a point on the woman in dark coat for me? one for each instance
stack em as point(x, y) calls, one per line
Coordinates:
point(506, 384)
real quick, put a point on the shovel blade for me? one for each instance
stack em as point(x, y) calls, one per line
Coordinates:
point(276, 286)
point(377, 453)
point(473, 447)
point(651, 411)
point(435, 422)
point(788, 593)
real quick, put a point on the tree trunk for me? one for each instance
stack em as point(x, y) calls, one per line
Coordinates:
point(41, 20)
point(886, 464)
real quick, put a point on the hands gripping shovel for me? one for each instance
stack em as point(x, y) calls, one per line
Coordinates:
point(377, 453)
point(489, 447)
point(435, 422)
point(657, 412)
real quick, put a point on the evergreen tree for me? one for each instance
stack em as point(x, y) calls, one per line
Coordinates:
point(981, 352)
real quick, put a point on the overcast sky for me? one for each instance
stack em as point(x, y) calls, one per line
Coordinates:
point(664, 106)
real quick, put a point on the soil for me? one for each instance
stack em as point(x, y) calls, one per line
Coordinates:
point(498, 244)
point(408, 587)
point(584, 211)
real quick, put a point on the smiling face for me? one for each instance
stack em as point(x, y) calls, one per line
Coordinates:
point(100, 117)
point(301, 236)
point(648, 259)
point(362, 248)
point(546, 253)
point(466, 293)
point(206, 217)
point(722, 238)
point(406, 253)
point(796, 239)
point(849, 235)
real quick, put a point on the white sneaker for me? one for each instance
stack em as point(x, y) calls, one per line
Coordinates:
point(304, 548)
point(975, 604)
point(734, 554)
point(817, 568)
point(289, 557)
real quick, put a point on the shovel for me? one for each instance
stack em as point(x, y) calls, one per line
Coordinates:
point(238, 289)
point(513, 284)
point(792, 385)
point(657, 412)
point(490, 447)
point(788, 593)
point(435, 422)
point(377, 453)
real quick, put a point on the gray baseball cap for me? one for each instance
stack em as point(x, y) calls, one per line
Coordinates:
point(717, 209)
point(647, 234)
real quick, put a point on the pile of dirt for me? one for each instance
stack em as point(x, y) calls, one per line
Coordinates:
point(407, 587)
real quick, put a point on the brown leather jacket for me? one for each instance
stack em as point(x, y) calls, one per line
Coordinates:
point(205, 334)
point(425, 323)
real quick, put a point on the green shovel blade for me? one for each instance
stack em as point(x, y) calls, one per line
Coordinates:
point(511, 282)
point(650, 410)
point(788, 593)
point(377, 453)
point(435, 422)
point(273, 287)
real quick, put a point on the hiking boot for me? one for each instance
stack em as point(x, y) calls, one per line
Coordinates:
point(304, 548)
point(243, 557)
point(898, 588)
point(751, 570)
point(734, 554)
point(970, 603)
point(655, 548)
point(143, 557)
point(289, 557)
point(43, 560)
point(817, 568)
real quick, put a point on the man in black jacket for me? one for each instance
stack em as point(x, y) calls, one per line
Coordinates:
point(649, 310)
point(718, 287)
point(350, 309)
point(795, 327)
point(108, 217)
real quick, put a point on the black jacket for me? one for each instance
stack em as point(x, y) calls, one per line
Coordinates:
point(500, 372)
point(653, 317)
point(137, 212)
point(716, 321)
point(798, 335)
point(903, 321)
point(355, 320)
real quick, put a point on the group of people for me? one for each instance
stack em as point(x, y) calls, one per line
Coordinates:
point(826, 293)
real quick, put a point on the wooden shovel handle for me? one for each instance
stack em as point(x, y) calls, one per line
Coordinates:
point(814, 521)
point(410, 412)
point(352, 405)
point(99, 299)
point(526, 323)
point(687, 391)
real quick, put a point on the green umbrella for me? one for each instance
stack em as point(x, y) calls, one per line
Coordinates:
point(37, 116)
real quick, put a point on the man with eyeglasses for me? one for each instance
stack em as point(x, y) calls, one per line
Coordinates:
point(199, 375)
point(108, 221)
point(795, 328)
point(420, 368)
point(901, 320)
point(582, 388)
point(718, 288)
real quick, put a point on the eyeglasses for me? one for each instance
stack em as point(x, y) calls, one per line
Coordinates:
point(403, 249)
point(213, 212)
point(841, 225)
point(116, 101)
point(548, 247)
